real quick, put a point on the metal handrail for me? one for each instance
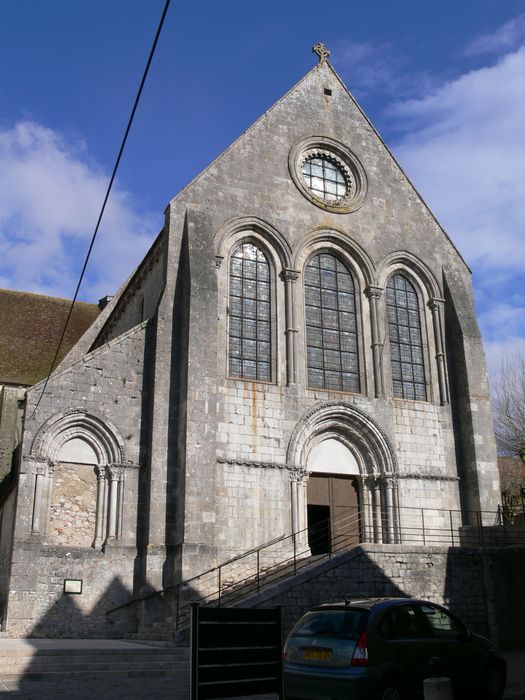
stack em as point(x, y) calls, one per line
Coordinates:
point(219, 589)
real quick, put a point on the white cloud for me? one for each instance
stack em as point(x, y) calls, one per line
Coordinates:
point(506, 38)
point(50, 198)
point(375, 68)
point(463, 149)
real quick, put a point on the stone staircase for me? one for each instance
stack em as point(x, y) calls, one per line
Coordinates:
point(166, 630)
point(50, 659)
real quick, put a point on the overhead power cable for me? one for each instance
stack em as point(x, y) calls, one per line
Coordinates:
point(103, 208)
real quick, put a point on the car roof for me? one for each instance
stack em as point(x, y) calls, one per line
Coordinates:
point(368, 603)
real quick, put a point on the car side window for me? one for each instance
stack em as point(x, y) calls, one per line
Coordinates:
point(403, 622)
point(443, 625)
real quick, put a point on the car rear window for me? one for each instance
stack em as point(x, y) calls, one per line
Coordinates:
point(347, 624)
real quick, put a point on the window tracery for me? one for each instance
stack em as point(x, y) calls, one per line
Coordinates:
point(331, 325)
point(406, 342)
point(249, 330)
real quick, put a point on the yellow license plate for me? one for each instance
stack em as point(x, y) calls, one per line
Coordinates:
point(317, 654)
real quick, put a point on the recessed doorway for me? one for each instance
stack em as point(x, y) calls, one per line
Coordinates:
point(333, 513)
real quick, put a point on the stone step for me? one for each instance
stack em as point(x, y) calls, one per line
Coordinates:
point(39, 660)
point(90, 675)
point(151, 635)
point(110, 665)
point(166, 657)
point(150, 652)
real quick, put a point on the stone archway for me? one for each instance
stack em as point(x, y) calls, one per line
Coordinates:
point(78, 464)
point(349, 441)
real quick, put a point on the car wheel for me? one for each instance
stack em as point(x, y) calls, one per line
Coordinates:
point(390, 690)
point(493, 682)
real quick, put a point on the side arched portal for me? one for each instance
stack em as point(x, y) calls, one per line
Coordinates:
point(78, 462)
point(351, 471)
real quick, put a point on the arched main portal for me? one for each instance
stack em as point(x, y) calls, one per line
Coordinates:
point(332, 502)
point(351, 472)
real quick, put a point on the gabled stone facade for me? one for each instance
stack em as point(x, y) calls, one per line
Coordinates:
point(252, 376)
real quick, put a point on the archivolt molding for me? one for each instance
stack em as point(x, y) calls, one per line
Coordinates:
point(350, 425)
point(99, 433)
point(421, 273)
point(315, 240)
point(253, 225)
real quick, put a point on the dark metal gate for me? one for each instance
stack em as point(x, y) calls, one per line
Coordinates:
point(235, 651)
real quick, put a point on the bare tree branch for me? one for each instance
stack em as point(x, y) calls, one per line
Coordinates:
point(508, 403)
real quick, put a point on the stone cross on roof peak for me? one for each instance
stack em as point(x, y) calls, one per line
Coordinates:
point(321, 50)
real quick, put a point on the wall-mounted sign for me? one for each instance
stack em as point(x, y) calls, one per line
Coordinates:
point(73, 585)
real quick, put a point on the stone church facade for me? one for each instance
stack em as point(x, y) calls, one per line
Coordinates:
point(300, 342)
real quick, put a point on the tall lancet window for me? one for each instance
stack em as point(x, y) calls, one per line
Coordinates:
point(331, 325)
point(406, 342)
point(250, 346)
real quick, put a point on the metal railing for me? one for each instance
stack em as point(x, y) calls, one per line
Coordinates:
point(287, 555)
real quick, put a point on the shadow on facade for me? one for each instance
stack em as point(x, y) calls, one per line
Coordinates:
point(66, 619)
point(176, 457)
point(146, 421)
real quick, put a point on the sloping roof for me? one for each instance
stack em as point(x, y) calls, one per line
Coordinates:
point(30, 329)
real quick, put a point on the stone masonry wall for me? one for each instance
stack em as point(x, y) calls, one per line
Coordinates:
point(109, 384)
point(10, 420)
point(473, 583)
point(254, 506)
point(140, 299)
point(42, 609)
point(73, 505)
point(7, 514)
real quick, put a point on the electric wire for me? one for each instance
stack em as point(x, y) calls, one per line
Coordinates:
point(106, 197)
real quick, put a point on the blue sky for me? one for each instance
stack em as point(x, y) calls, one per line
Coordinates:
point(444, 83)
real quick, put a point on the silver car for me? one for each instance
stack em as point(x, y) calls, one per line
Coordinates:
point(384, 648)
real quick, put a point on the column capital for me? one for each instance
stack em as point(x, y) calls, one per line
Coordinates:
point(101, 472)
point(435, 303)
point(288, 275)
point(391, 480)
point(115, 471)
point(373, 292)
point(298, 473)
point(36, 465)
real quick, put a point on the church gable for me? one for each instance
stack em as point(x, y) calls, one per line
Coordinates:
point(264, 174)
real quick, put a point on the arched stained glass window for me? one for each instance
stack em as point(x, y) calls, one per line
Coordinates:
point(250, 314)
point(406, 342)
point(331, 325)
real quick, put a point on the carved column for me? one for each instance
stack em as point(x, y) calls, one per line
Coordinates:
point(298, 479)
point(389, 487)
point(101, 473)
point(376, 500)
point(290, 278)
point(374, 294)
point(115, 475)
point(366, 507)
point(435, 306)
point(43, 472)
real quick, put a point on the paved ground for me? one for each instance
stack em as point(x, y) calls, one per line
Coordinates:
point(175, 688)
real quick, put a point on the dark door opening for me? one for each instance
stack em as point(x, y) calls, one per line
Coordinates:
point(319, 531)
point(333, 513)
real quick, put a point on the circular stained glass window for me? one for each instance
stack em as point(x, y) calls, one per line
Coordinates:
point(328, 174)
point(325, 179)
